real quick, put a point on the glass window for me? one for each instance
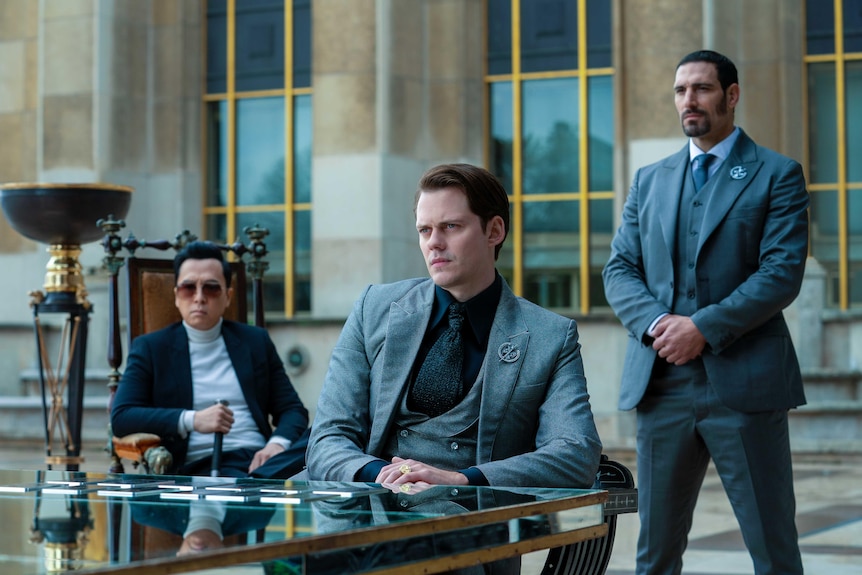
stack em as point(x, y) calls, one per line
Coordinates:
point(255, 172)
point(301, 43)
point(834, 77)
point(260, 151)
point(601, 125)
point(259, 44)
point(551, 142)
point(502, 133)
point(599, 34)
point(853, 98)
point(216, 74)
point(551, 253)
point(551, 136)
point(549, 35)
point(852, 15)
point(217, 177)
point(302, 149)
point(820, 27)
point(823, 152)
point(499, 36)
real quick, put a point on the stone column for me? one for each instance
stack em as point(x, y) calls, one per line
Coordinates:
point(397, 88)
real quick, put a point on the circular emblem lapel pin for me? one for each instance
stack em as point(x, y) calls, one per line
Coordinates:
point(738, 172)
point(508, 352)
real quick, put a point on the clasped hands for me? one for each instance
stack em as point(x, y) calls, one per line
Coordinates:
point(677, 340)
point(218, 418)
point(403, 474)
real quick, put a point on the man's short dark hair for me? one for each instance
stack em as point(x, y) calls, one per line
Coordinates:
point(201, 251)
point(726, 69)
point(486, 196)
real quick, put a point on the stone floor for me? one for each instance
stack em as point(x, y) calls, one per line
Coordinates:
point(829, 520)
point(829, 517)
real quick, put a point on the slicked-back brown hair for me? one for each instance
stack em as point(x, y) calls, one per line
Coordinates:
point(486, 196)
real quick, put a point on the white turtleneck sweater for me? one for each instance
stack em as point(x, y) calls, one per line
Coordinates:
point(214, 379)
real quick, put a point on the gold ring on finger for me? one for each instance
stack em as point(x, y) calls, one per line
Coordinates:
point(404, 468)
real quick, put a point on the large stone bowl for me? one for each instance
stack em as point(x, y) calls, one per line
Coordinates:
point(63, 214)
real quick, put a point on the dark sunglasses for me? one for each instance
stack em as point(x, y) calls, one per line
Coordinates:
point(188, 290)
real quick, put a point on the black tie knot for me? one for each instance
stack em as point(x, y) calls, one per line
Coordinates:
point(456, 315)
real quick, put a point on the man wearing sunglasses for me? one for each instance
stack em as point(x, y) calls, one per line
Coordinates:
point(207, 375)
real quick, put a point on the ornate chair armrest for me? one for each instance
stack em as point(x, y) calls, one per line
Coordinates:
point(143, 449)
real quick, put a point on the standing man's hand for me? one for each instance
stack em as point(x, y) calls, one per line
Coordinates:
point(677, 339)
point(402, 471)
point(217, 418)
point(262, 456)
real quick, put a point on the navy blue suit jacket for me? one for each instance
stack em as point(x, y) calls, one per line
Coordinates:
point(157, 385)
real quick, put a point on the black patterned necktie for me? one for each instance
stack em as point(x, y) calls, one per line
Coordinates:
point(700, 170)
point(438, 386)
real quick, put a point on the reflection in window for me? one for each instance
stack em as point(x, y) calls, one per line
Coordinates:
point(551, 136)
point(853, 97)
point(822, 115)
point(502, 132)
point(260, 151)
point(302, 149)
point(601, 125)
point(551, 253)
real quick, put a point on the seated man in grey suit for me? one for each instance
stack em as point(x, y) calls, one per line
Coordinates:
point(175, 376)
point(494, 394)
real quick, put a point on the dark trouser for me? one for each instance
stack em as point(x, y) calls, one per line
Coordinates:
point(235, 463)
point(681, 423)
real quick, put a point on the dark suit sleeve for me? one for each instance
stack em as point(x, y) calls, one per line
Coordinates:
point(625, 272)
point(342, 424)
point(133, 409)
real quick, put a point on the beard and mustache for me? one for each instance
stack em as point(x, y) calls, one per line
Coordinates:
point(703, 127)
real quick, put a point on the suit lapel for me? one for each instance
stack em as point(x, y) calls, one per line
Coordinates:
point(507, 347)
point(240, 357)
point(181, 364)
point(408, 319)
point(733, 176)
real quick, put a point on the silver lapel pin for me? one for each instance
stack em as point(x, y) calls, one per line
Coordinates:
point(738, 172)
point(508, 352)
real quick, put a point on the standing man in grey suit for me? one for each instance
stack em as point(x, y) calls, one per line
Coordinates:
point(519, 414)
point(699, 278)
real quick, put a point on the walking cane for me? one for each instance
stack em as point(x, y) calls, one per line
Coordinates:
point(217, 442)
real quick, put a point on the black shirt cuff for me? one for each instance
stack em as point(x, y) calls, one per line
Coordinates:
point(474, 476)
point(370, 471)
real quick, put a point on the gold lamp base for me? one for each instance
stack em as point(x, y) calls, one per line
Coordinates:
point(63, 278)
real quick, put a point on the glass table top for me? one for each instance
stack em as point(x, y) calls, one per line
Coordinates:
point(131, 523)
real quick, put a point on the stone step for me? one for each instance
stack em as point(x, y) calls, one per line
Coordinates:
point(95, 381)
point(22, 418)
point(827, 426)
point(828, 385)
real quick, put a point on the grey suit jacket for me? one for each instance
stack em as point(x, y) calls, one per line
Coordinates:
point(749, 265)
point(535, 423)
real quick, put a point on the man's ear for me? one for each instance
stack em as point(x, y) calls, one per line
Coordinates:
point(496, 231)
point(733, 96)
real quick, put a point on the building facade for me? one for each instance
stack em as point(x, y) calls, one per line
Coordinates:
point(315, 119)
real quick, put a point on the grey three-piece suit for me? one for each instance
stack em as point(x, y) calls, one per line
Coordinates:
point(534, 428)
point(732, 266)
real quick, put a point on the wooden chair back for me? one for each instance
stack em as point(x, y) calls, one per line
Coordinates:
point(150, 295)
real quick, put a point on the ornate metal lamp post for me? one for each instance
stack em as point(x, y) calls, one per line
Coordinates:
point(64, 217)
